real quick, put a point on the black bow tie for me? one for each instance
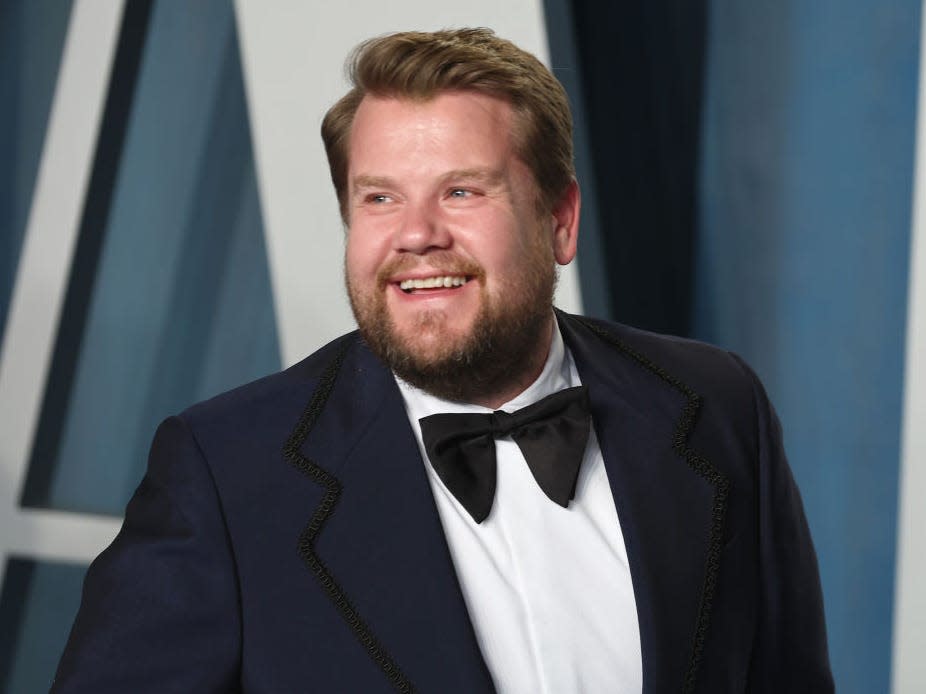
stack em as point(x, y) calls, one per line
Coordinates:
point(551, 434)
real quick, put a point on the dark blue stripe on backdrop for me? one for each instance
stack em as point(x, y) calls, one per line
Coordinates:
point(594, 273)
point(17, 577)
point(640, 66)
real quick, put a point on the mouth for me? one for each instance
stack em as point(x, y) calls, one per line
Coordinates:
point(410, 286)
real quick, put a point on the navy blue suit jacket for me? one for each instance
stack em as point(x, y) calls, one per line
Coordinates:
point(285, 538)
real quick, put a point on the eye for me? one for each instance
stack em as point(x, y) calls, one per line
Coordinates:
point(378, 198)
point(460, 193)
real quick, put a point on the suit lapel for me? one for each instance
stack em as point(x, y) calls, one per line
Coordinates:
point(669, 503)
point(375, 542)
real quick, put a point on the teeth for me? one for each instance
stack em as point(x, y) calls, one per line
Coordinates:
point(433, 282)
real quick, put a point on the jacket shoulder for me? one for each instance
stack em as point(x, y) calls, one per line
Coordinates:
point(686, 364)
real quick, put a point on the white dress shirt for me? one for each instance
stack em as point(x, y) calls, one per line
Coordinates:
point(548, 588)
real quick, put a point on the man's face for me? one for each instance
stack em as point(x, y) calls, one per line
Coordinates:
point(450, 266)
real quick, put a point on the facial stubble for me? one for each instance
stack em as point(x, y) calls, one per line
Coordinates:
point(496, 353)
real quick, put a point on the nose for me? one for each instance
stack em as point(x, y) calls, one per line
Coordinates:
point(421, 229)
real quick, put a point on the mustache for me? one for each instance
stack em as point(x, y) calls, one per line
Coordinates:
point(442, 262)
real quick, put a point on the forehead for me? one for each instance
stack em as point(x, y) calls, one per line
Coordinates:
point(463, 119)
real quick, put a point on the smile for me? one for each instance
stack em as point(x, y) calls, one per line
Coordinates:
point(437, 282)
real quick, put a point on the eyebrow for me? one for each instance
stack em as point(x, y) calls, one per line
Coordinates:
point(481, 175)
point(364, 181)
point(486, 176)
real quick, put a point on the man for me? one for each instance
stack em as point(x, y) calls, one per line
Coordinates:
point(475, 492)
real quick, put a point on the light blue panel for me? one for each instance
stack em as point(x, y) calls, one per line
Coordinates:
point(32, 36)
point(807, 162)
point(46, 597)
point(182, 307)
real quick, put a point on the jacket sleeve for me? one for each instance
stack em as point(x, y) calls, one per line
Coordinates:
point(160, 610)
point(790, 652)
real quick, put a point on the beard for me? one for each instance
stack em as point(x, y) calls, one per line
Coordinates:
point(496, 353)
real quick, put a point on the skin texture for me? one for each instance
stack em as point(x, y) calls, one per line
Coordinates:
point(437, 190)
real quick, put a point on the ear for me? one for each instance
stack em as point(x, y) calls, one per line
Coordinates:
point(566, 224)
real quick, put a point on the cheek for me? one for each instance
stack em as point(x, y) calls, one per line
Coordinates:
point(521, 251)
point(361, 254)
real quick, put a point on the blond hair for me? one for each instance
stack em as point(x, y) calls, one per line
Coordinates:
point(420, 65)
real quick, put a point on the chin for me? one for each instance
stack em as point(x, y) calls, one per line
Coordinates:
point(432, 325)
point(431, 340)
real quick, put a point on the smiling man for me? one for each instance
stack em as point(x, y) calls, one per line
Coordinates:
point(474, 492)
point(450, 254)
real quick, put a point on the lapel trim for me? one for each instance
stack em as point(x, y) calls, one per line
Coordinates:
point(329, 500)
point(703, 467)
